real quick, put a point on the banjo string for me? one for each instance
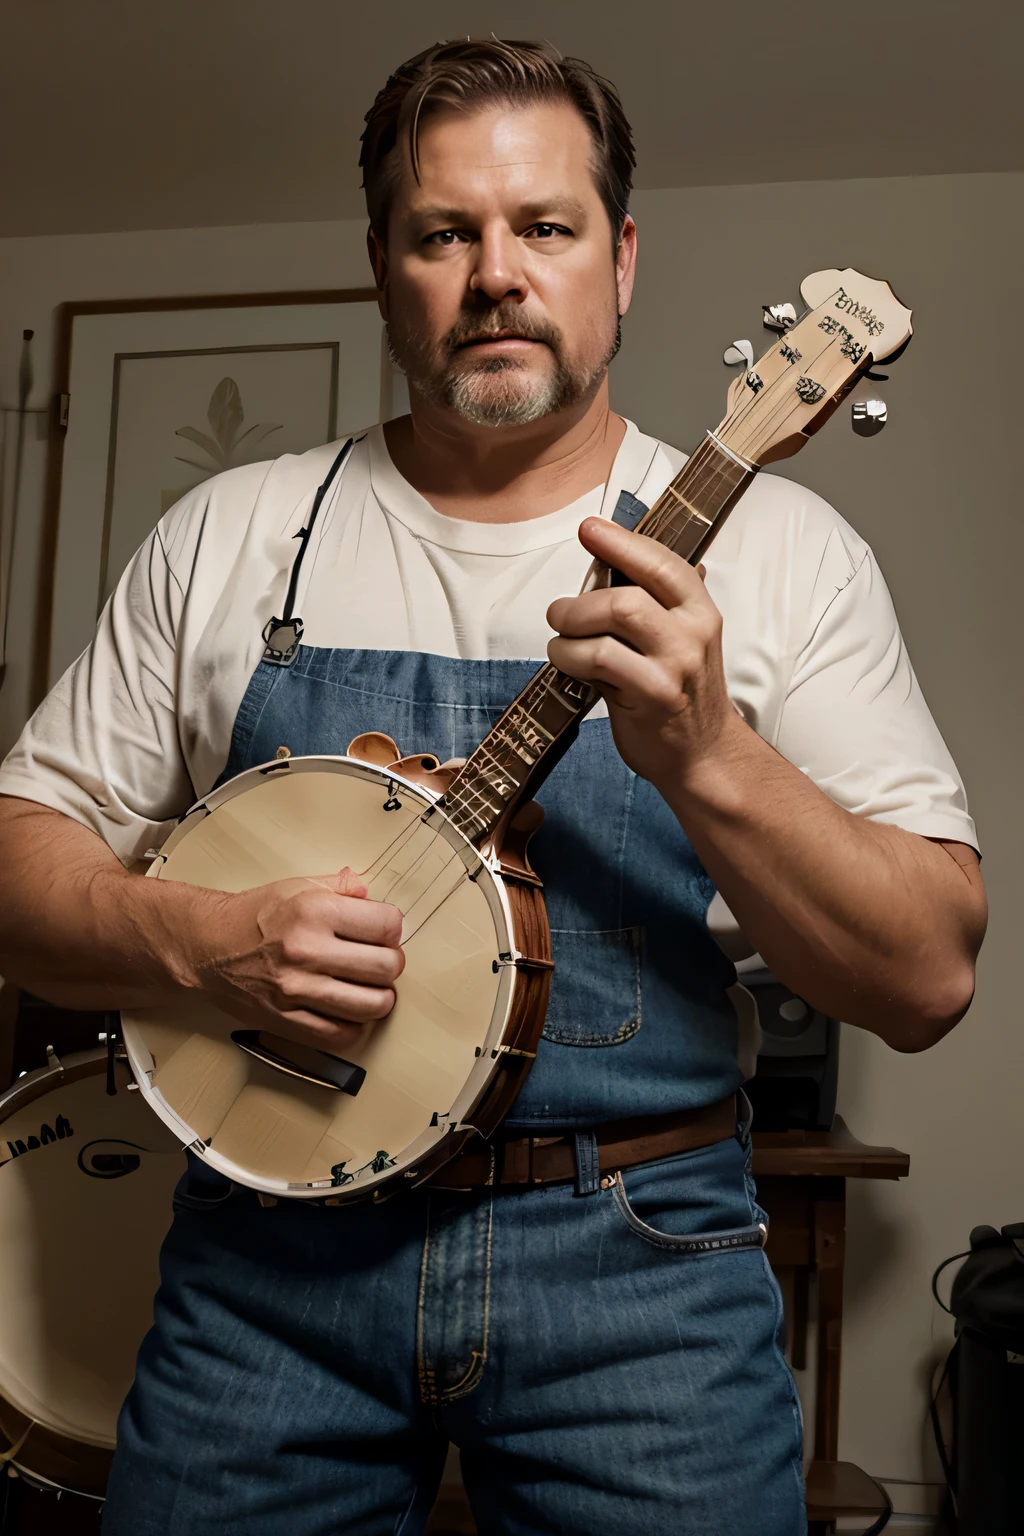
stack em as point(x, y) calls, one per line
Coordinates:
point(380, 865)
point(372, 871)
point(437, 905)
point(424, 895)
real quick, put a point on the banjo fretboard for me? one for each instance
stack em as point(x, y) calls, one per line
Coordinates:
point(540, 724)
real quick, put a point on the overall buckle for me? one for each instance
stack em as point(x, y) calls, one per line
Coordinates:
point(281, 640)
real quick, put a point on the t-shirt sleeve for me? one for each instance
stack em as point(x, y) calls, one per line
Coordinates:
point(103, 747)
point(854, 717)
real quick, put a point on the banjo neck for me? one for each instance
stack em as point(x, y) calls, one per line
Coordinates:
point(851, 322)
point(520, 750)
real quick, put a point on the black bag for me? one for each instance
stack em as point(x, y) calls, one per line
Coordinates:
point(986, 1370)
point(988, 1293)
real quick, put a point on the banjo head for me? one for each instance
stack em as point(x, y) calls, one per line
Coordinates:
point(419, 1072)
point(85, 1201)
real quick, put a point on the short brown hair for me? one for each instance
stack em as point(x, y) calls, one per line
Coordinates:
point(478, 72)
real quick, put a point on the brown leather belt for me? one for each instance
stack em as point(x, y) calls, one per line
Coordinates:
point(532, 1160)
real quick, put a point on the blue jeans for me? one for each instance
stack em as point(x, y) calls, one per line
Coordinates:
point(308, 1366)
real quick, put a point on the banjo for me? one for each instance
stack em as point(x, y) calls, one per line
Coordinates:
point(449, 848)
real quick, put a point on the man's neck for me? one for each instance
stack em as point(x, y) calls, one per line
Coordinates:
point(505, 474)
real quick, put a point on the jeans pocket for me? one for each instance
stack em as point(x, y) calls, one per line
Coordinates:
point(595, 991)
point(697, 1244)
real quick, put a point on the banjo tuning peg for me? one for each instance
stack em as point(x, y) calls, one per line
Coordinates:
point(778, 317)
point(869, 417)
point(739, 352)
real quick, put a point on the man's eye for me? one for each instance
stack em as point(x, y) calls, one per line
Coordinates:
point(545, 231)
point(445, 237)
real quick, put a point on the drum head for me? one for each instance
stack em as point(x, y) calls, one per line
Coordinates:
point(85, 1200)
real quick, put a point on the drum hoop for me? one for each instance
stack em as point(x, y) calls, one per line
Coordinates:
point(481, 1077)
point(50, 1442)
point(42, 1484)
point(35, 1084)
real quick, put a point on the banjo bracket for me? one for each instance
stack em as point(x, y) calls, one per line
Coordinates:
point(521, 962)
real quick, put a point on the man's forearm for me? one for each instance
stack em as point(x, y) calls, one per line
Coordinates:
point(310, 958)
point(869, 923)
point(75, 926)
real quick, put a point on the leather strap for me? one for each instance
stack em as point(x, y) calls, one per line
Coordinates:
point(528, 1161)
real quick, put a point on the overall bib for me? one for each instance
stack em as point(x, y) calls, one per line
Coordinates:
point(308, 1365)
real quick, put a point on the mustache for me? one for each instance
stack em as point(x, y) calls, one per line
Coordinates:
point(502, 319)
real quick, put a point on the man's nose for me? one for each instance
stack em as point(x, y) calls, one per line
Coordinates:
point(500, 271)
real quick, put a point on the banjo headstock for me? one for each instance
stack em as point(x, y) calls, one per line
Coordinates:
point(852, 323)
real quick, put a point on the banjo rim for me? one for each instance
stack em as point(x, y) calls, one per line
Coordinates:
point(422, 1157)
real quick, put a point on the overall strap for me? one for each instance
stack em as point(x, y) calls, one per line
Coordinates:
point(282, 635)
point(629, 509)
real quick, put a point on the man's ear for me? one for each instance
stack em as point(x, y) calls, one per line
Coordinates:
point(379, 263)
point(625, 264)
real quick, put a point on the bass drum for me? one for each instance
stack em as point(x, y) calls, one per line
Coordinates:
point(294, 1121)
point(86, 1180)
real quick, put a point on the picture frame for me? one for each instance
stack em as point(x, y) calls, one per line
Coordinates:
point(156, 395)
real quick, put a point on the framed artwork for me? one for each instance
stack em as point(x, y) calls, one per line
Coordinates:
point(156, 396)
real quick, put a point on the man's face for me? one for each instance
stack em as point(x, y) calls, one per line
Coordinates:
point(503, 291)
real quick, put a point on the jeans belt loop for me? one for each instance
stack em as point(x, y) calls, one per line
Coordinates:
point(587, 1160)
point(497, 1154)
point(744, 1117)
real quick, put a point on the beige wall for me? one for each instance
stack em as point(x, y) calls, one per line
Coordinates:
point(937, 496)
point(934, 496)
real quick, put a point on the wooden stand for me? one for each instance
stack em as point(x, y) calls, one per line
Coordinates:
point(801, 1182)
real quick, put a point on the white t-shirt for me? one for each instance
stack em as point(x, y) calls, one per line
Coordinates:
point(139, 727)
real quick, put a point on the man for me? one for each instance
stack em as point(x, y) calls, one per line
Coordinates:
point(309, 1365)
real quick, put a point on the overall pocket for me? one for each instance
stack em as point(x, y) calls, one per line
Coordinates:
point(595, 991)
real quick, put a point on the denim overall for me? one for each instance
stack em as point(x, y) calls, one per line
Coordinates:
point(308, 1365)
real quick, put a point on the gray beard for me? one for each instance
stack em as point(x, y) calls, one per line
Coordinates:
point(499, 393)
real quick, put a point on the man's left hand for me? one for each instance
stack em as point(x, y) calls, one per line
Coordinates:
point(653, 649)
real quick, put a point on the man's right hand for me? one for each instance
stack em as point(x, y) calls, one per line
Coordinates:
point(313, 959)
